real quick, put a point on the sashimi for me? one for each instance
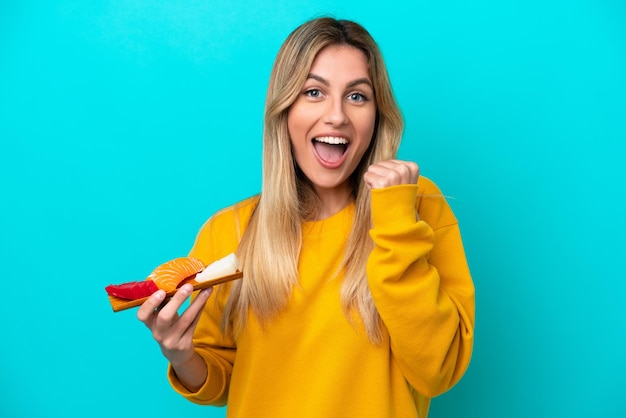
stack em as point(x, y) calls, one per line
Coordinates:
point(132, 290)
point(220, 268)
point(168, 275)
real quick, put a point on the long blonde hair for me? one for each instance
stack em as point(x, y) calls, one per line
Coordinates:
point(270, 246)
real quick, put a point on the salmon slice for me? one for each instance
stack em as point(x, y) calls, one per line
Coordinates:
point(168, 275)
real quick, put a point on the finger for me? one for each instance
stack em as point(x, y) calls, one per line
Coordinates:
point(414, 171)
point(391, 164)
point(390, 173)
point(378, 169)
point(194, 312)
point(385, 174)
point(373, 180)
point(387, 168)
point(408, 169)
point(404, 172)
point(170, 311)
point(146, 310)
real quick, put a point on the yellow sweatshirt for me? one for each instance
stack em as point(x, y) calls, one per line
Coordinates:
point(310, 361)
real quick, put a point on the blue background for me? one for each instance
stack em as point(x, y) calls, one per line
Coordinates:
point(125, 124)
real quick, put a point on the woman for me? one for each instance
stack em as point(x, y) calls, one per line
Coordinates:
point(356, 299)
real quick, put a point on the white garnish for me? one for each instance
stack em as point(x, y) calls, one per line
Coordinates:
point(220, 268)
point(333, 140)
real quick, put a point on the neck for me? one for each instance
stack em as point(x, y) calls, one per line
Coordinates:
point(332, 201)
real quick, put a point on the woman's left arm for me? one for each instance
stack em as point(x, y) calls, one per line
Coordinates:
point(421, 284)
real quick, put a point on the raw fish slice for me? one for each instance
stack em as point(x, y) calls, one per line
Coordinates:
point(168, 275)
point(132, 290)
point(220, 268)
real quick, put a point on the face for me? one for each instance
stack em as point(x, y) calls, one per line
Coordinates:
point(331, 123)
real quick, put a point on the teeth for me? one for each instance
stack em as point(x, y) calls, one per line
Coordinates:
point(334, 140)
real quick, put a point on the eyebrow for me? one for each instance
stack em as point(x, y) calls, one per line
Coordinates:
point(351, 84)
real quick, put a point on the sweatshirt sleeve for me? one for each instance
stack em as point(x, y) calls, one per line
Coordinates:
point(217, 238)
point(421, 285)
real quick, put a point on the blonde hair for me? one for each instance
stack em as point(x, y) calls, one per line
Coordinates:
point(270, 246)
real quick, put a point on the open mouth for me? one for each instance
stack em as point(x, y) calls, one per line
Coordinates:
point(330, 149)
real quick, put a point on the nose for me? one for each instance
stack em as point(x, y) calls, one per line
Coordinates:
point(335, 114)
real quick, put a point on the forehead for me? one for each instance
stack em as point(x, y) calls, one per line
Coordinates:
point(340, 62)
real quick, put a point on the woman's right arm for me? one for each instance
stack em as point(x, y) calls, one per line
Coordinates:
point(174, 333)
point(201, 356)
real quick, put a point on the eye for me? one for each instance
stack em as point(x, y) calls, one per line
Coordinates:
point(313, 93)
point(357, 97)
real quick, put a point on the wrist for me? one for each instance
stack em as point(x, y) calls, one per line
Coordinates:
point(191, 372)
point(394, 205)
